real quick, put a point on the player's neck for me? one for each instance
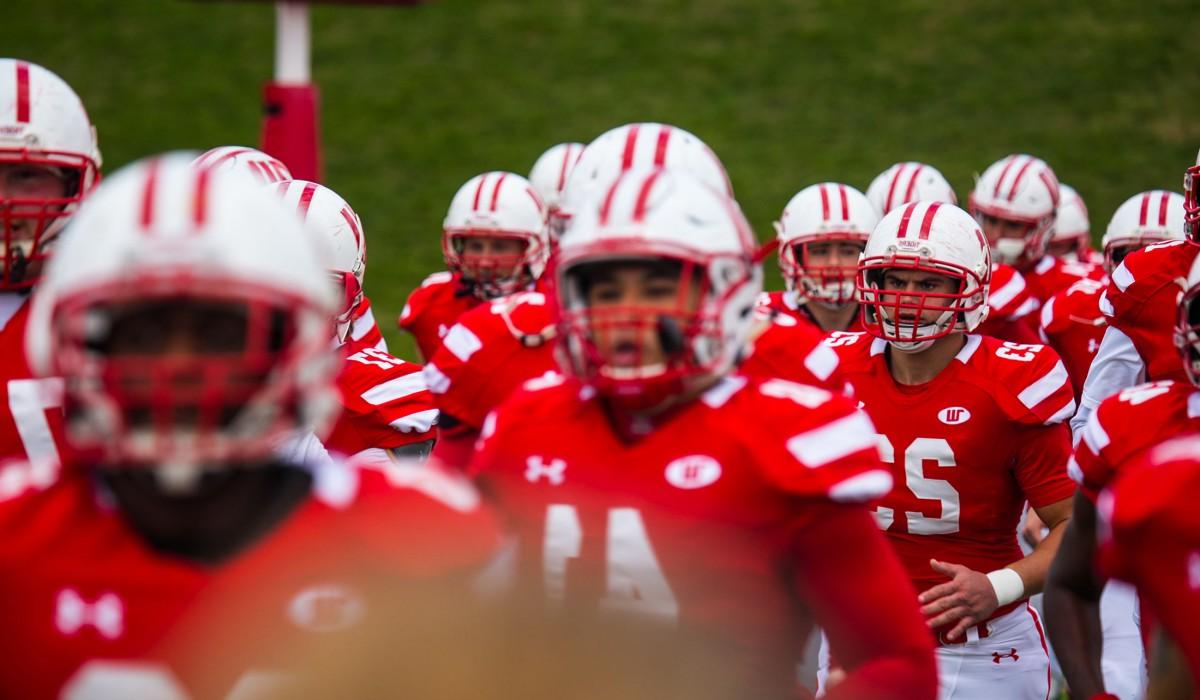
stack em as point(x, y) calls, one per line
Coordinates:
point(836, 318)
point(916, 368)
point(634, 425)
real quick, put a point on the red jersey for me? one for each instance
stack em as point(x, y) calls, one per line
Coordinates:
point(364, 331)
point(1143, 302)
point(92, 610)
point(1011, 307)
point(433, 308)
point(792, 350)
point(31, 426)
point(385, 404)
point(967, 449)
point(1052, 275)
point(786, 305)
point(1127, 424)
point(712, 520)
point(1150, 537)
point(1073, 325)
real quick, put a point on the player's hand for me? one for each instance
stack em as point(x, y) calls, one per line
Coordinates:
point(1034, 530)
point(965, 600)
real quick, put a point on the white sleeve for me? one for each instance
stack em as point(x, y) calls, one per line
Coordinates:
point(1117, 365)
point(303, 448)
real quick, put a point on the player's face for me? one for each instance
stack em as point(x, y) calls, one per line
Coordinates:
point(492, 257)
point(997, 228)
point(184, 362)
point(1063, 248)
point(919, 294)
point(25, 182)
point(833, 254)
point(635, 307)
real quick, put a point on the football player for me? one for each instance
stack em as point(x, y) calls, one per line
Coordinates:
point(972, 428)
point(386, 407)
point(651, 481)
point(821, 234)
point(1118, 433)
point(1071, 320)
point(178, 542)
point(494, 241)
point(1149, 538)
point(1072, 237)
point(1140, 306)
point(1016, 202)
point(49, 162)
point(551, 172)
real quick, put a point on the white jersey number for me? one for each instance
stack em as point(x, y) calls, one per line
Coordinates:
point(635, 581)
point(915, 455)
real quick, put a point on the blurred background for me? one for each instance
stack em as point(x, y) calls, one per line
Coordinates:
point(416, 100)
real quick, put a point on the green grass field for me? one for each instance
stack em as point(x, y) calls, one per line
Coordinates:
point(788, 93)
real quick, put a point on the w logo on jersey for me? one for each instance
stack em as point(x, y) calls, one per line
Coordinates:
point(106, 614)
point(693, 472)
point(553, 471)
point(954, 415)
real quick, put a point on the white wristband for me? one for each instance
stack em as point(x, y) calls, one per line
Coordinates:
point(1008, 585)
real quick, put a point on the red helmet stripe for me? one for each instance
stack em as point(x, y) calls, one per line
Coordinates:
point(349, 217)
point(912, 183)
point(1000, 180)
point(643, 198)
point(1051, 185)
point(562, 168)
point(660, 149)
point(927, 222)
point(148, 188)
point(1162, 208)
point(200, 199)
point(630, 145)
point(892, 188)
point(608, 200)
point(496, 192)
point(845, 203)
point(1012, 191)
point(478, 192)
point(306, 197)
point(22, 92)
point(902, 232)
point(1145, 211)
point(824, 203)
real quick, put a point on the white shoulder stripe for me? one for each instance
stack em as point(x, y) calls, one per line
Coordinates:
point(362, 325)
point(1106, 306)
point(1122, 277)
point(418, 422)
point(822, 362)
point(1048, 313)
point(1002, 296)
point(1045, 387)
point(436, 379)
point(462, 343)
point(833, 441)
point(394, 389)
point(867, 486)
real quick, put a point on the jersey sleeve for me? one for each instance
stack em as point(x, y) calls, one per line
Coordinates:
point(885, 647)
point(388, 399)
point(812, 443)
point(1030, 382)
point(795, 353)
point(1042, 460)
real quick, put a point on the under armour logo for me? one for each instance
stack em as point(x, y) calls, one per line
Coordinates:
point(106, 614)
point(1012, 654)
point(536, 468)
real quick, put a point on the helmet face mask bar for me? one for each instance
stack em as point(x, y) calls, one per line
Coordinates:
point(1187, 332)
point(830, 285)
point(902, 317)
point(493, 274)
point(1191, 205)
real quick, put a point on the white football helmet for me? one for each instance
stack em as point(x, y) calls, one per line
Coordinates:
point(927, 237)
point(253, 162)
point(550, 172)
point(664, 217)
point(638, 145)
point(1071, 225)
point(162, 234)
point(43, 125)
point(1145, 218)
point(909, 182)
point(827, 212)
point(331, 218)
point(500, 205)
point(1022, 189)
